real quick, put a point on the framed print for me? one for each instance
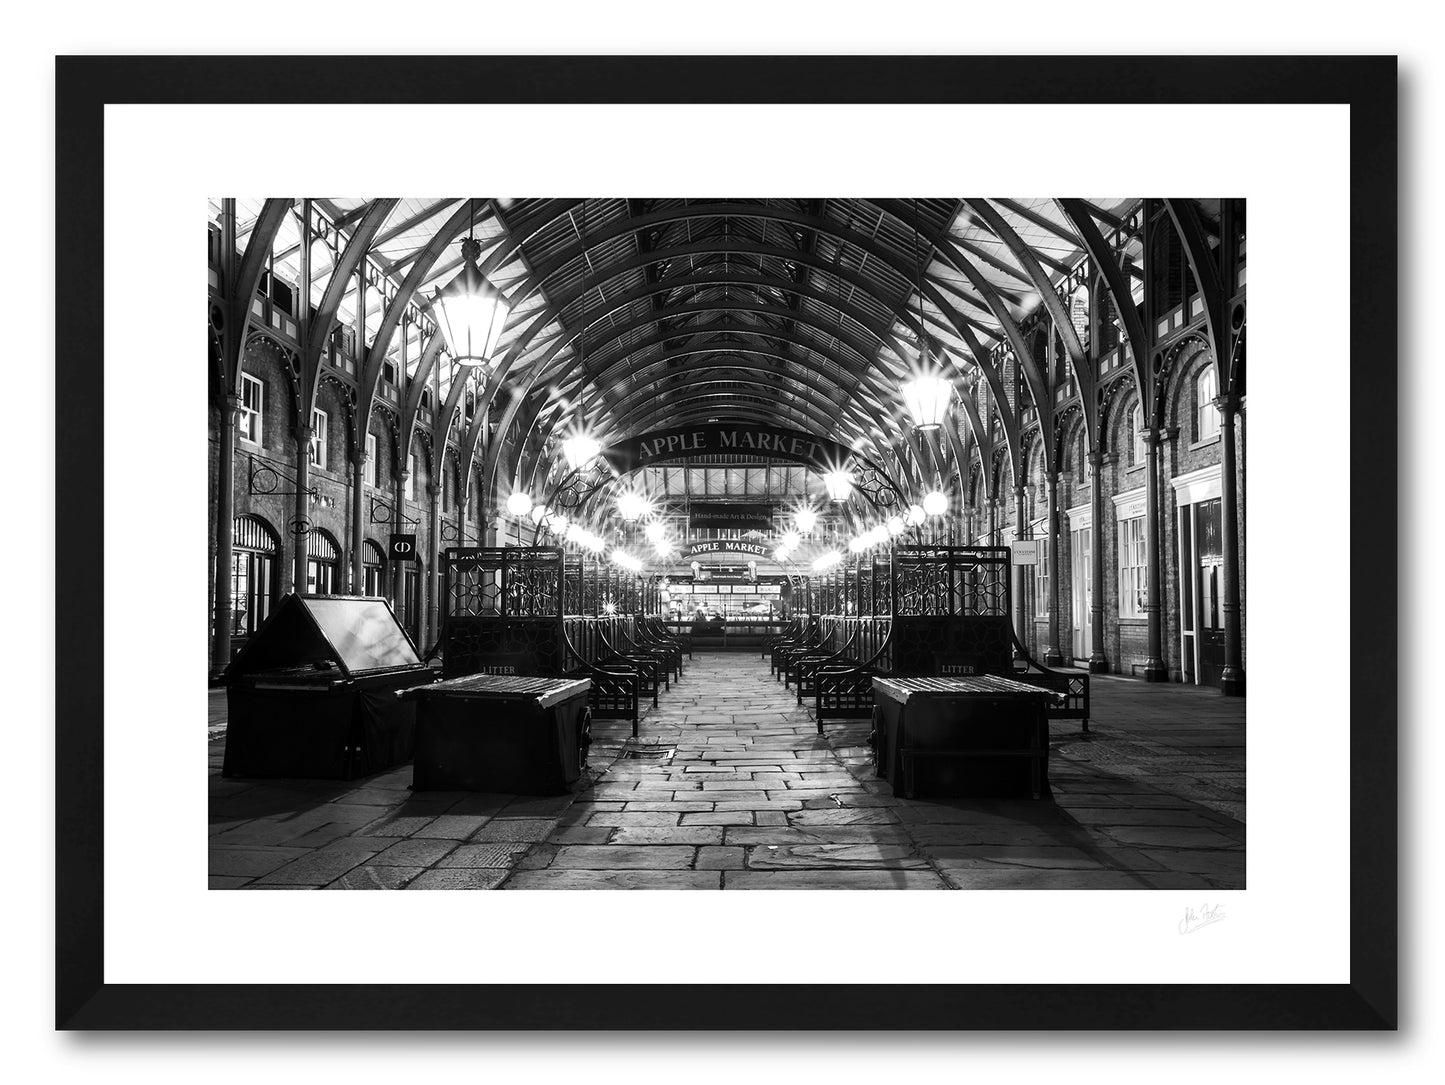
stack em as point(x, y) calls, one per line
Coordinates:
point(645, 526)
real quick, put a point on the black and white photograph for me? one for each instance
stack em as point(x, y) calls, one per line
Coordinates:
point(699, 473)
point(818, 543)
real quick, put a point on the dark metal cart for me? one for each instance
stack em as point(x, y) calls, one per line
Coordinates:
point(980, 735)
point(312, 694)
point(486, 732)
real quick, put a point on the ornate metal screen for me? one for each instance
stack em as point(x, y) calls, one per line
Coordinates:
point(503, 582)
point(951, 581)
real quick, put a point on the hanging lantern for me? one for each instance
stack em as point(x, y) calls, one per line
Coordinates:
point(839, 485)
point(632, 506)
point(914, 516)
point(927, 399)
point(520, 503)
point(806, 520)
point(580, 450)
point(935, 503)
point(656, 532)
point(471, 312)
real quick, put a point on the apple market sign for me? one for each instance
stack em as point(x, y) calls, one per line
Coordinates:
point(728, 439)
point(720, 546)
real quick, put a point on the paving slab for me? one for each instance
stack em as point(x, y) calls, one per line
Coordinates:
point(503, 854)
point(622, 857)
point(418, 853)
point(528, 829)
point(835, 856)
point(614, 879)
point(376, 877)
point(834, 879)
point(250, 862)
point(459, 878)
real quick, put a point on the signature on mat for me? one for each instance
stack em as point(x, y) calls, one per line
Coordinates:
point(1207, 914)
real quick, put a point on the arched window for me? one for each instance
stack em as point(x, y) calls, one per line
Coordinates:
point(1206, 414)
point(254, 553)
point(323, 564)
point(1137, 452)
point(373, 564)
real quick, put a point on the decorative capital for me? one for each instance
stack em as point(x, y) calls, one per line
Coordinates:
point(1227, 403)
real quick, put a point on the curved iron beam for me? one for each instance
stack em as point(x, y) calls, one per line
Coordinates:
point(347, 263)
point(391, 319)
point(240, 292)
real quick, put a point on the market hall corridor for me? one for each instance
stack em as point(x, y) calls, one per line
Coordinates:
point(729, 786)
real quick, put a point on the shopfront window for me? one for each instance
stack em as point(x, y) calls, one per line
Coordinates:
point(1133, 572)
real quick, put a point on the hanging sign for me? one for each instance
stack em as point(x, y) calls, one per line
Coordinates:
point(1025, 551)
point(734, 517)
point(402, 548)
point(728, 439)
point(718, 546)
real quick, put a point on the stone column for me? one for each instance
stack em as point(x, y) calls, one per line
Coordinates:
point(301, 521)
point(358, 546)
point(225, 514)
point(1098, 662)
point(1021, 527)
point(1053, 657)
point(1232, 677)
point(1154, 668)
point(398, 513)
point(434, 550)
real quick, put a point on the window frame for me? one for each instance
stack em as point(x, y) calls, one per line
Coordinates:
point(316, 447)
point(371, 473)
point(1139, 451)
point(1133, 576)
point(409, 484)
point(1043, 571)
point(1204, 405)
point(246, 414)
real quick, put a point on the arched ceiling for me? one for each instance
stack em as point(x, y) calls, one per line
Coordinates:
point(634, 314)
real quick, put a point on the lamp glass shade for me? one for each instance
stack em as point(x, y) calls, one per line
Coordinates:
point(632, 507)
point(656, 532)
point(927, 399)
point(914, 516)
point(520, 503)
point(580, 450)
point(471, 312)
point(806, 520)
point(540, 513)
point(839, 485)
point(935, 503)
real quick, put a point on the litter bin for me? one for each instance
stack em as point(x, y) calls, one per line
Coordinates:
point(485, 732)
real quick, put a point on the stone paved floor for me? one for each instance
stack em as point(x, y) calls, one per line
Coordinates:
point(731, 787)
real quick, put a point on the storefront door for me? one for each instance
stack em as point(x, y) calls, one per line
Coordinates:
point(1209, 553)
point(1081, 581)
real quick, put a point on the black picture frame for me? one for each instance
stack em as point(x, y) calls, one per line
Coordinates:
point(85, 85)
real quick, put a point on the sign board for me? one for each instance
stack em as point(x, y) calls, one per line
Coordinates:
point(736, 517)
point(402, 548)
point(719, 546)
point(728, 439)
point(1025, 551)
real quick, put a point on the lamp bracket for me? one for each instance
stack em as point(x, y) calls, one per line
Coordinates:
point(381, 513)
